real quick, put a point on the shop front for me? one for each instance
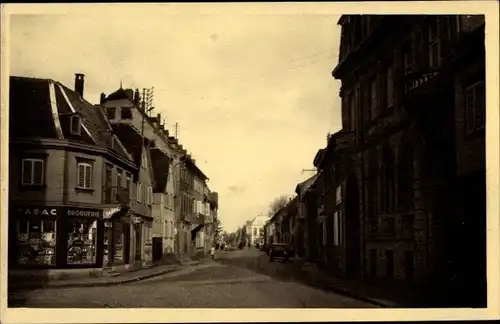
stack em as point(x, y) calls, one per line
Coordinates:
point(55, 237)
point(116, 237)
point(142, 240)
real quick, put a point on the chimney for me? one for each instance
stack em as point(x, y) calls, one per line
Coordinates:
point(103, 98)
point(79, 82)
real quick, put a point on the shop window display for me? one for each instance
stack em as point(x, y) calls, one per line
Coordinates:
point(119, 256)
point(36, 242)
point(82, 241)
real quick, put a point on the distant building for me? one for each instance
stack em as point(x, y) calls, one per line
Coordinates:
point(255, 230)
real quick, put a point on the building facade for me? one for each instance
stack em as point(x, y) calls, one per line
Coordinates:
point(255, 230)
point(61, 148)
point(413, 97)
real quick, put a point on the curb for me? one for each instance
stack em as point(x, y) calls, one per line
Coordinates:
point(56, 285)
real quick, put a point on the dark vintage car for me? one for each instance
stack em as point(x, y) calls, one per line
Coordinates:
point(281, 250)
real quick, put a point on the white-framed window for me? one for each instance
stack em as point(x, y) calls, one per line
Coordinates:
point(338, 194)
point(32, 172)
point(336, 229)
point(144, 162)
point(139, 192)
point(84, 177)
point(389, 87)
point(75, 127)
point(475, 107)
point(150, 195)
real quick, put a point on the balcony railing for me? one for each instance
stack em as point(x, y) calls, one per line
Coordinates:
point(116, 195)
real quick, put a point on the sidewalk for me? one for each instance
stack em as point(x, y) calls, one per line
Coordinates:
point(381, 296)
point(121, 277)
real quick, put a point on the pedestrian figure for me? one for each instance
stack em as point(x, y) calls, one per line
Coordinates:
point(212, 252)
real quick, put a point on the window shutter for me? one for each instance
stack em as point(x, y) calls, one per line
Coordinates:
point(138, 192)
point(479, 106)
point(81, 175)
point(27, 176)
point(88, 176)
point(469, 110)
point(38, 172)
point(151, 195)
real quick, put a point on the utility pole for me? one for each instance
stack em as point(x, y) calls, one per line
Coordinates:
point(143, 110)
point(176, 130)
point(309, 170)
point(146, 105)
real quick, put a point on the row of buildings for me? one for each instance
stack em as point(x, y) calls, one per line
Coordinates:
point(99, 186)
point(399, 196)
point(252, 232)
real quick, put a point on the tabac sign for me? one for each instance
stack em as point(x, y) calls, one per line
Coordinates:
point(38, 211)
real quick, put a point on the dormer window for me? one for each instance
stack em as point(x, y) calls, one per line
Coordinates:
point(75, 125)
point(126, 113)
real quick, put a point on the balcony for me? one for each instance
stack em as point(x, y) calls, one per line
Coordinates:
point(116, 195)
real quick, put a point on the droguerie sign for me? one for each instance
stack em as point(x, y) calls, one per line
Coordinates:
point(82, 213)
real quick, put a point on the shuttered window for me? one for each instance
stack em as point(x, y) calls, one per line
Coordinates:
point(475, 108)
point(32, 172)
point(84, 175)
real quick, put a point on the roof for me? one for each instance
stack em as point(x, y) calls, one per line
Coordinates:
point(120, 94)
point(131, 139)
point(305, 185)
point(161, 163)
point(30, 110)
point(32, 116)
point(192, 165)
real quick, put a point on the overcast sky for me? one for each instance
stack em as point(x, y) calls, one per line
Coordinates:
point(252, 93)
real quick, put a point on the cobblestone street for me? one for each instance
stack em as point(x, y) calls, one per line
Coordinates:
point(237, 279)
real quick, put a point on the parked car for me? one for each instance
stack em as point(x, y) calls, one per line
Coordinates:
point(281, 250)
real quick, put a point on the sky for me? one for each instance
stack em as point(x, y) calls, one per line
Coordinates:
point(252, 94)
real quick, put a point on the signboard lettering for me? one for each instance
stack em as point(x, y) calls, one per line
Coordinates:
point(82, 213)
point(108, 212)
point(39, 211)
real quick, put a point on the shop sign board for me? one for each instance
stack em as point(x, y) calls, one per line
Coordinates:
point(38, 211)
point(82, 212)
point(108, 212)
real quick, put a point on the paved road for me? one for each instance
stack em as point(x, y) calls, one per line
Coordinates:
point(242, 279)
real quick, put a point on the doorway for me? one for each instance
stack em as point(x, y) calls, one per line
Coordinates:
point(138, 242)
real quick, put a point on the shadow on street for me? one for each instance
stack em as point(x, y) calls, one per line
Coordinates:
point(16, 294)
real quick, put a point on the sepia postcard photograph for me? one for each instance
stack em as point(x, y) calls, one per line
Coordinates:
point(194, 162)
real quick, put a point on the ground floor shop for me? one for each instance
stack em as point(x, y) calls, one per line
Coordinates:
point(43, 236)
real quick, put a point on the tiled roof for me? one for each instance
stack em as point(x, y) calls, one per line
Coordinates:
point(30, 110)
point(305, 185)
point(161, 163)
point(31, 114)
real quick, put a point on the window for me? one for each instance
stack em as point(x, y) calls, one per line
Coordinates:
point(84, 175)
point(324, 230)
point(475, 108)
point(434, 43)
point(389, 225)
point(373, 98)
point(352, 111)
point(82, 241)
point(128, 182)
point(389, 259)
point(32, 172)
point(405, 176)
point(336, 229)
point(150, 195)
point(338, 194)
point(409, 260)
point(75, 125)
point(139, 192)
point(111, 113)
point(36, 242)
point(126, 113)
point(389, 87)
point(119, 175)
